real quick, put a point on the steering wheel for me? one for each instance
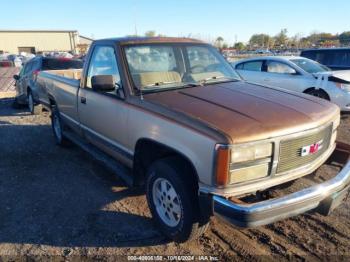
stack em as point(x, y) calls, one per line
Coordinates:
point(198, 69)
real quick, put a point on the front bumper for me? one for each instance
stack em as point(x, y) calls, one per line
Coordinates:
point(322, 198)
point(342, 100)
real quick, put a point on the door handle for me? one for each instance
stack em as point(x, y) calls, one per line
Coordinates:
point(83, 100)
point(266, 79)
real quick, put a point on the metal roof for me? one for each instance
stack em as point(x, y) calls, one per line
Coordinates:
point(38, 31)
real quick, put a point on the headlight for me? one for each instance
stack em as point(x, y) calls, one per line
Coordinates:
point(345, 87)
point(250, 153)
point(249, 173)
point(235, 164)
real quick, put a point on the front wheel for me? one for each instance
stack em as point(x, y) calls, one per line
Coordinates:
point(34, 109)
point(173, 202)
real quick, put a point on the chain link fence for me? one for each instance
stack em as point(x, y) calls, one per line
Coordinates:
point(7, 83)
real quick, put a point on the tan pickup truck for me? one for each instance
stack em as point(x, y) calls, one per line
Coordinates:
point(172, 115)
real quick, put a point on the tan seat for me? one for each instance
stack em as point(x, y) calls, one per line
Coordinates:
point(149, 78)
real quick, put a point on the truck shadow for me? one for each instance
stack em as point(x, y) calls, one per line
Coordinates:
point(61, 197)
point(7, 108)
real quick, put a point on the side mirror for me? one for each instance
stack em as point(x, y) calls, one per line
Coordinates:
point(103, 83)
point(16, 77)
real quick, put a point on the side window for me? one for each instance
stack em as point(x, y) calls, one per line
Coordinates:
point(27, 67)
point(103, 62)
point(239, 66)
point(279, 68)
point(22, 71)
point(252, 66)
point(36, 65)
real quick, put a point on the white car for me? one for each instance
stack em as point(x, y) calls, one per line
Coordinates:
point(298, 74)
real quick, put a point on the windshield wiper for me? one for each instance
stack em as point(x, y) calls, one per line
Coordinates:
point(208, 80)
point(157, 89)
point(160, 84)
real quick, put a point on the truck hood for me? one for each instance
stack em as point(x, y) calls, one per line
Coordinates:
point(247, 112)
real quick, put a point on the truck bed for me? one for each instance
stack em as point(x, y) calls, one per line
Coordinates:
point(65, 79)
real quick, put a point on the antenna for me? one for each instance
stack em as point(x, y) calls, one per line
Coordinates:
point(134, 15)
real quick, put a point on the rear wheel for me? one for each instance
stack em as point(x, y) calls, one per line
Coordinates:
point(34, 109)
point(318, 93)
point(173, 202)
point(57, 128)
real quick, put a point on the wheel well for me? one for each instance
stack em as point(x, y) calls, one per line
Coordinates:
point(313, 88)
point(147, 151)
point(308, 89)
point(52, 101)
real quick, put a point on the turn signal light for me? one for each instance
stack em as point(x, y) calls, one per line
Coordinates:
point(223, 156)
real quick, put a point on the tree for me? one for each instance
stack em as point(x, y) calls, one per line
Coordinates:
point(281, 39)
point(150, 33)
point(239, 46)
point(295, 41)
point(260, 40)
point(218, 42)
point(344, 38)
point(322, 39)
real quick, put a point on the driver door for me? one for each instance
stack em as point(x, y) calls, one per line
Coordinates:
point(103, 115)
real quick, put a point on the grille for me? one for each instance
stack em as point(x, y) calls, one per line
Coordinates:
point(290, 150)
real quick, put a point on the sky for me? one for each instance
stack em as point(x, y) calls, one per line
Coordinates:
point(206, 19)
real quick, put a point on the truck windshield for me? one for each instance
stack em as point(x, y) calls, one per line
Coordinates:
point(157, 67)
point(310, 66)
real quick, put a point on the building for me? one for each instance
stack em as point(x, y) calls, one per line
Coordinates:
point(36, 41)
point(84, 44)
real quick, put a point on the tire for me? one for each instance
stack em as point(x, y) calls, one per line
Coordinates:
point(173, 201)
point(34, 108)
point(318, 93)
point(57, 128)
point(16, 105)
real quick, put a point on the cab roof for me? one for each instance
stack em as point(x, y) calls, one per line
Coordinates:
point(150, 40)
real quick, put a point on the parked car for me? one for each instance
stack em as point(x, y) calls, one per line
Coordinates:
point(334, 58)
point(16, 59)
point(298, 74)
point(6, 63)
point(193, 134)
point(25, 81)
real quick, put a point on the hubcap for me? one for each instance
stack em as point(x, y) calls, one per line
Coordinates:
point(167, 202)
point(30, 102)
point(57, 127)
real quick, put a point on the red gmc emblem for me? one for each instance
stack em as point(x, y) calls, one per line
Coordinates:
point(311, 149)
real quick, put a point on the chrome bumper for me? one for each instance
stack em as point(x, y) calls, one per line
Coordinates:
point(322, 198)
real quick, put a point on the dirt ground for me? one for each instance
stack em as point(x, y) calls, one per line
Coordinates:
point(59, 202)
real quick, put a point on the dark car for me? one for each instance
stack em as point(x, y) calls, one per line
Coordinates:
point(334, 58)
point(25, 81)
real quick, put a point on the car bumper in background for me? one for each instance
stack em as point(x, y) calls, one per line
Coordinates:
point(322, 198)
point(343, 101)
